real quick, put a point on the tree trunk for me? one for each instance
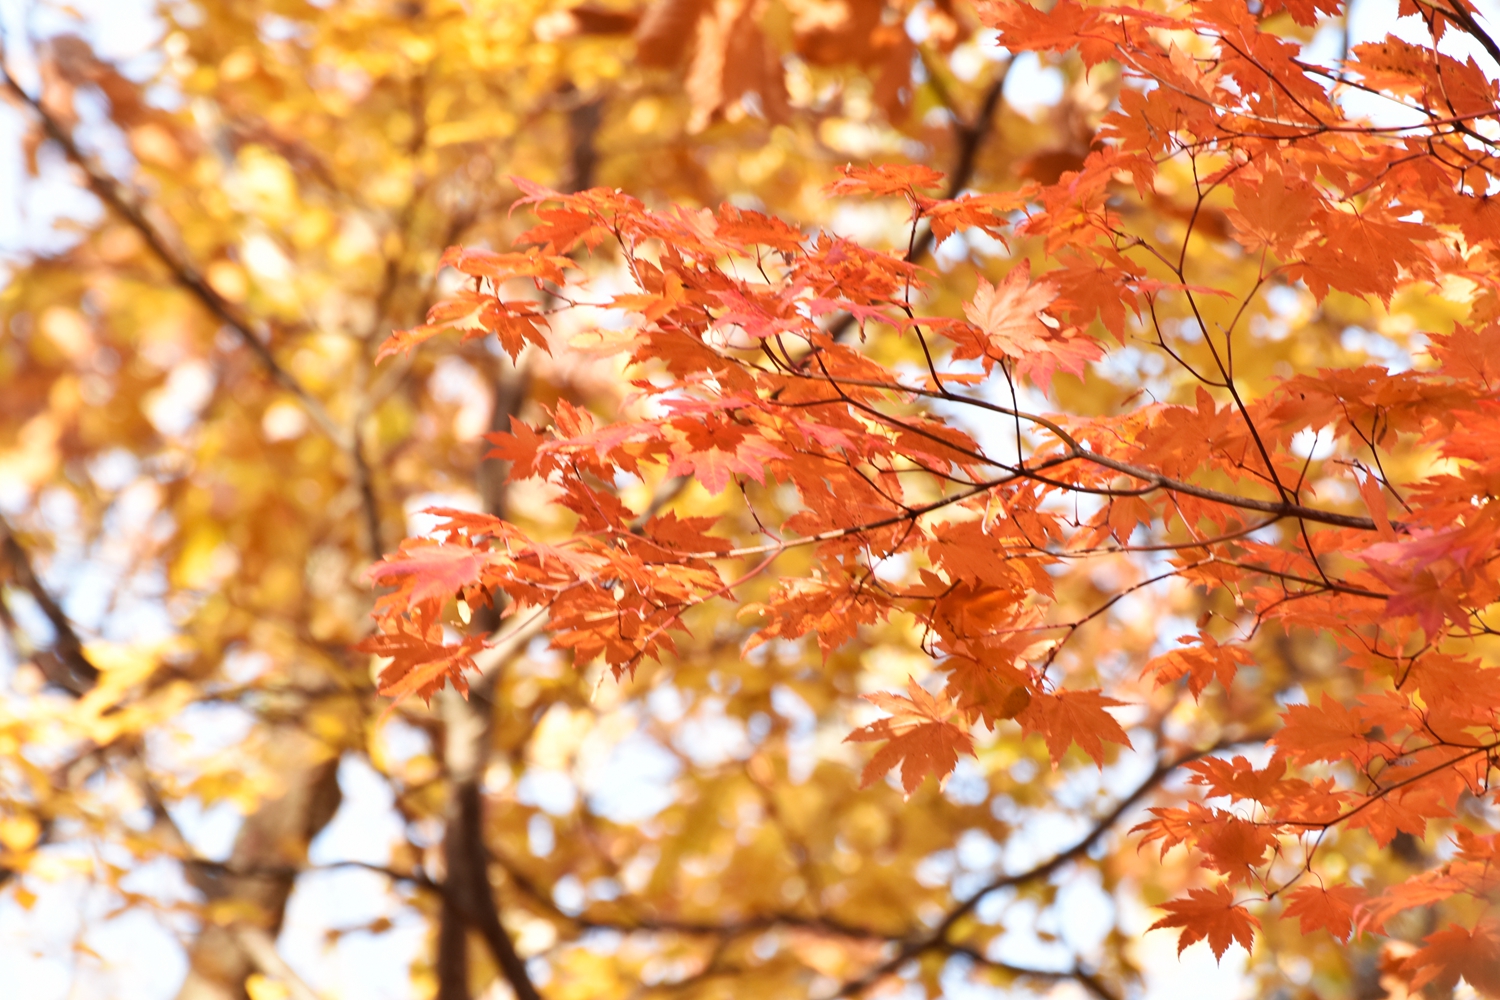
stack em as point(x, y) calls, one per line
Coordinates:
point(257, 880)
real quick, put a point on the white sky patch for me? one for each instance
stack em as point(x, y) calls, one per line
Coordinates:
point(174, 407)
point(265, 259)
point(283, 420)
point(633, 782)
point(420, 524)
point(1313, 444)
point(366, 826)
point(209, 830)
point(710, 738)
point(550, 791)
point(367, 966)
point(1032, 87)
point(1382, 350)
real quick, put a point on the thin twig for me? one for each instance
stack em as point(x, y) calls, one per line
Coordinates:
point(971, 138)
point(937, 936)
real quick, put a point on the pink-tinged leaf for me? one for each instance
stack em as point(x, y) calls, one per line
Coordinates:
point(426, 570)
point(716, 468)
point(1008, 316)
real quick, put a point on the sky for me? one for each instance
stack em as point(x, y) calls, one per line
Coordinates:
point(141, 959)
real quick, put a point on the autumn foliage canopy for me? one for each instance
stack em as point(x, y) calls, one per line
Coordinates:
point(702, 499)
point(955, 470)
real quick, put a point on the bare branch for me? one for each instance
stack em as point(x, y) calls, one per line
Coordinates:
point(1088, 980)
point(937, 937)
point(65, 663)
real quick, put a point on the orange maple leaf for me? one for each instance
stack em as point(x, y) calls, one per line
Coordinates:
point(921, 739)
point(1328, 908)
point(1237, 779)
point(1067, 717)
point(1210, 915)
point(1235, 846)
point(420, 661)
point(460, 313)
point(1273, 212)
point(989, 690)
point(1200, 664)
point(1066, 25)
point(1328, 731)
point(886, 179)
point(1455, 952)
point(518, 446)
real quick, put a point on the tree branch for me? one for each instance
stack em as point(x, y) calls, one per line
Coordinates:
point(468, 898)
point(971, 136)
point(937, 937)
point(1088, 980)
point(1075, 450)
point(65, 664)
point(467, 893)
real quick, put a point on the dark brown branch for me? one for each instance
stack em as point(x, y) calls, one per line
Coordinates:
point(937, 937)
point(468, 898)
point(1466, 22)
point(65, 663)
point(467, 888)
point(1088, 980)
point(971, 136)
point(1075, 450)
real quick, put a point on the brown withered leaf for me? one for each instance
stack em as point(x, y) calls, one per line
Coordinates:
point(733, 60)
point(832, 32)
point(666, 32)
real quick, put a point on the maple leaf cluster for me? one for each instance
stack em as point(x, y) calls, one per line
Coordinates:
point(736, 334)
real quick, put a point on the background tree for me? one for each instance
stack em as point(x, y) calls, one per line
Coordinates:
point(209, 449)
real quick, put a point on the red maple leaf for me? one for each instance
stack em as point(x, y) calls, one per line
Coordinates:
point(421, 662)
